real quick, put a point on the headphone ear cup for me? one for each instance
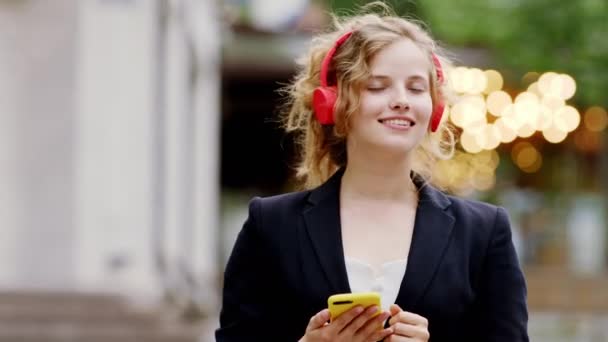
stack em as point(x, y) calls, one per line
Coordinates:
point(323, 102)
point(437, 114)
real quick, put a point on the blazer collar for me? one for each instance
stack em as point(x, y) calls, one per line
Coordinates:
point(432, 229)
point(322, 220)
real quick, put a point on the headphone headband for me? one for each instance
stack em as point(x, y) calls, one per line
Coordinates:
point(330, 55)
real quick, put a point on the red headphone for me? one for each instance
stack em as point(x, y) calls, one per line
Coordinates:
point(324, 97)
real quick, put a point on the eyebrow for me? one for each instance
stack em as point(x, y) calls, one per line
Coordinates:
point(385, 77)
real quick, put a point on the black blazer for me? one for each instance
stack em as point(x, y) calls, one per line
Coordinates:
point(462, 273)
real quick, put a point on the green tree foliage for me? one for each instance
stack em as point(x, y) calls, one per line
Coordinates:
point(525, 35)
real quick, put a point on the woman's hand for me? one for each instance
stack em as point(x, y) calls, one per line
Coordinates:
point(407, 326)
point(355, 325)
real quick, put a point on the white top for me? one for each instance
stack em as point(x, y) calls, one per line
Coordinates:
point(363, 278)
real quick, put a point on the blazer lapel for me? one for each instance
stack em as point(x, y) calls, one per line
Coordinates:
point(322, 220)
point(432, 230)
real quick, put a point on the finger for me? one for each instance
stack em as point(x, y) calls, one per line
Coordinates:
point(344, 319)
point(318, 320)
point(374, 324)
point(395, 309)
point(410, 318)
point(396, 338)
point(360, 320)
point(380, 335)
point(413, 331)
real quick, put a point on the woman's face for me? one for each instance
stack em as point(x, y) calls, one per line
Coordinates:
point(396, 103)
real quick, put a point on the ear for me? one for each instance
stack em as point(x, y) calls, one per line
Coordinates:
point(323, 103)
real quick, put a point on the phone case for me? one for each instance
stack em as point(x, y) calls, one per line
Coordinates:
point(340, 303)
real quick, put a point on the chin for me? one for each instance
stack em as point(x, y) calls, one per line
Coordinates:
point(398, 148)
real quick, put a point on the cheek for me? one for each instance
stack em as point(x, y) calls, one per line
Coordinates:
point(424, 106)
point(372, 105)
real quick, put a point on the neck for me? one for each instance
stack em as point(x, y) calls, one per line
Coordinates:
point(378, 177)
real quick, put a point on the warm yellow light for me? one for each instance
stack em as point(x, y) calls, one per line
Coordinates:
point(544, 82)
point(596, 119)
point(567, 119)
point(457, 79)
point(476, 101)
point(525, 113)
point(468, 111)
point(483, 181)
point(507, 134)
point(526, 96)
point(458, 114)
point(489, 137)
point(486, 160)
point(533, 88)
point(475, 127)
point(554, 135)
point(543, 119)
point(469, 142)
point(562, 86)
point(526, 157)
point(517, 147)
point(526, 130)
point(526, 109)
point(477, 166)
point(441, 172)
point(567, 86)
point(494, 159)
point(552, 102)
point(458, 174)
point(494, 81)
point(497, 101)
point(479, 81)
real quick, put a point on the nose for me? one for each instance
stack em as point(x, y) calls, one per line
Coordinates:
point(400, 101)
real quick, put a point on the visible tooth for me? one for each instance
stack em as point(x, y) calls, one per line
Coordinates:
point(398, 122)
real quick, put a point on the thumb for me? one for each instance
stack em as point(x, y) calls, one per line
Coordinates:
point(318, 320)
point(395, 309)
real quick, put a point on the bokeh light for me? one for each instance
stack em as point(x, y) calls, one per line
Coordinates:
point(488, 116)
point(497, 101)
point(526, 157)
point(567, 118)
point(554, 135)
point(494, 81)
point(596, 119)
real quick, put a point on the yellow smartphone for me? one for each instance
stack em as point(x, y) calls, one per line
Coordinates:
point(339, 303)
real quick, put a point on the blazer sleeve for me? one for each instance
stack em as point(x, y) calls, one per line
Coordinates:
point(503, 288)
point(248, 309)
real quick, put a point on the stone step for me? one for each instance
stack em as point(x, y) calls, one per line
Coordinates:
point(557, 290)
point(74, 333)
point(84, 317)
point(96, 300)
point(78, 308)
point(77, 315)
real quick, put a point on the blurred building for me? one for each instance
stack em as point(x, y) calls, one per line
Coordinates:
point(109, 111)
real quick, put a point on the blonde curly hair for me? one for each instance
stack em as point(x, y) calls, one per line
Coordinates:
point(322, 149)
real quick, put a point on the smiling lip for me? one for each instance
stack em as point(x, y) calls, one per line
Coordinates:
point(398, 122)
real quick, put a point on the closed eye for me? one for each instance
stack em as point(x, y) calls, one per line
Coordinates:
point(417, 90)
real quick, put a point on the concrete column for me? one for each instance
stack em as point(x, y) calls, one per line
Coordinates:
point(114, 146)
point(37, 43)
point(206, 106)
point(192, 145)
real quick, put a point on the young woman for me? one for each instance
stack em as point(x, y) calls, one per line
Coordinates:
point(367, 105)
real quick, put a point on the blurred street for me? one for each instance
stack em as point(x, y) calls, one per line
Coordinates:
point(133, 134)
